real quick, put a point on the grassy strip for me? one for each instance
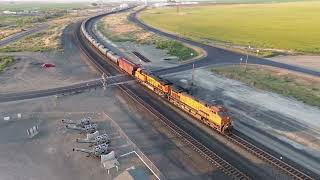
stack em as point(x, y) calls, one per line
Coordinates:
point(12, 24)
point(33, 43)
point(175, 48)
point(5, 61)
point(297, 87)
point(118, 29)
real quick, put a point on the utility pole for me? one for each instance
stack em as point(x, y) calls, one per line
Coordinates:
point(245, 69)
point(178, 5)
point(192, 78)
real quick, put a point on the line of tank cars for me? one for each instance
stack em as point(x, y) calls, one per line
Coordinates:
point(214, 116)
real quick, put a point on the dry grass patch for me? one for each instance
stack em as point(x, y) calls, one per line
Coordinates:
point(47, 40)
point(304, 88)
point(8, 32)
point(117, 28)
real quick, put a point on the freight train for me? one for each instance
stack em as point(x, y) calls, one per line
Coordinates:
point(214, 116)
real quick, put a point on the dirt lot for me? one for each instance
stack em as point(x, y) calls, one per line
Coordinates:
point(280, 123)
point(312, 62)
point(26, 72)
point(50, 153)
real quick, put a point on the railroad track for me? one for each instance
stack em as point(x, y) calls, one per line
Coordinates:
point(293, 172)
point(217, 161)
point(204, 151)
point(209, 155)
point(140, 56)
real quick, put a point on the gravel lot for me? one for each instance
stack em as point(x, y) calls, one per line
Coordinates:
point(27, 74)
point(312, 62)
point(50, 153)
point(278, 122)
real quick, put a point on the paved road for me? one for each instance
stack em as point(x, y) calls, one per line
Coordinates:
point(48, 92)
point(20, 35)
point(215, 55)
point(72, 89)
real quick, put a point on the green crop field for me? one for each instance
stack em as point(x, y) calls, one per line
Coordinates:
point(290, 26)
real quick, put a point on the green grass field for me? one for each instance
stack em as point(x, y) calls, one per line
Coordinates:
point(294, 86)
point(290, 26)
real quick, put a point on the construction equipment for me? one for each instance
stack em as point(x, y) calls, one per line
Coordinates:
point(98, 150)
point(101, 139)
point(89, 129)
point(81, 123)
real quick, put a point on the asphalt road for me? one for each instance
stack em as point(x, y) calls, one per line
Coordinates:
point(20, 35)
point(48, 92)
point(71, 89)
point(215, 55)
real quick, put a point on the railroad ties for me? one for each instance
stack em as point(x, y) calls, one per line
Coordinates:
point(217, 161)
point(209, 155)
point(291, 171)
point(140, 56)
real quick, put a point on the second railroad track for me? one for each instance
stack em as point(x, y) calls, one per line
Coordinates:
point(195, 144)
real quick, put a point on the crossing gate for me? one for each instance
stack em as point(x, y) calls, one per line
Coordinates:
point(33, 131)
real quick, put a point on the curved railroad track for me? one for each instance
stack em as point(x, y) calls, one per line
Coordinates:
point(207, 153)
point(236, 139)
point(215, 55)
point(223, 165)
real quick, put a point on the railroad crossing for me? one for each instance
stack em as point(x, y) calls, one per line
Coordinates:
point(76, 87)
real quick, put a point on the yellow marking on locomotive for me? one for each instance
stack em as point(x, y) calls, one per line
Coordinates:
point(202, 109)
point(138, 74)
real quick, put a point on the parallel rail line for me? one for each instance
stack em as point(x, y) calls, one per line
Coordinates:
point(293, 172)
point(212, 157)
point(140, 56)
point(207, 153)
point(223, 165)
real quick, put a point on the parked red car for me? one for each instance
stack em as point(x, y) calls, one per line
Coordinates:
point(48, 65)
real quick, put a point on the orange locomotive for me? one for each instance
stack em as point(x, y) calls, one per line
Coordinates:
point(212, 115)
point(156, 84)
